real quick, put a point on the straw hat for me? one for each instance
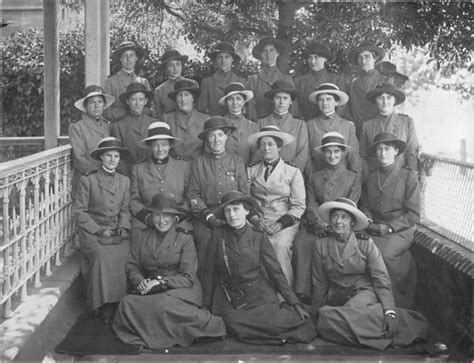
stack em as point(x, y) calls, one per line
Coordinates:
point(185, 85)
point(135, 87)
point(320, 49)
point(223, 48)
point(386, 88)
point(165, 203)
point(386, 137)
point(332, 138)
point(110, 143)
point(271, 130)
point(234, 197)
point(127, 45)
point(236, 88)
point(329, 88)
point(282, 86)
point(371, 47)
point(91, 91)
point(361, 220)
point(215, 123)
point(158, 131)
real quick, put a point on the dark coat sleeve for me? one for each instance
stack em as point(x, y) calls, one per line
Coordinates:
point(187, 264)
point(319, 278)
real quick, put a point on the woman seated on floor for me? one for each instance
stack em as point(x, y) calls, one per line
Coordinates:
point(164, 308)
point(243, 276)
point(352, 300)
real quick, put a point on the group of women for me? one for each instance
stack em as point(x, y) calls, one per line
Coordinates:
point(212, 209)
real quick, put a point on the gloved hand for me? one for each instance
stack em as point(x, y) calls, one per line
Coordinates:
point(377, 229)
point(390, 326)
point(213, 222)
point(149, 220)
point(104, 232)
point(311, 216)
point(257, 223)
point(123, 232)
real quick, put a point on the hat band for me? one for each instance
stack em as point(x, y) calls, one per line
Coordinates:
point(346, 201)
point(330, 139)
point(327, 88)
point(270, 128)
point(159, 131)
point(109, 144)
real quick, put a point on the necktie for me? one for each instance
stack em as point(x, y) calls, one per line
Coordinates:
point(268, 170)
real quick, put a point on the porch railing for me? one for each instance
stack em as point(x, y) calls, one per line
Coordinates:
point(35, 219)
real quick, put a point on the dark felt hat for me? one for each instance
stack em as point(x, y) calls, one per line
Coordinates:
point(390, 70)
point(280, 45)
point(387, 137)
point(371, 47)
point(110, 143)
point(319, 48)
point(127, 45)
point(172, 54)
point(234, 197)
point(386, 88)
point(135, 87)
point(165, 203)
point(215, 123)
point(91, 91)
point(185, 85)
point(223, 48)
point(282, 86)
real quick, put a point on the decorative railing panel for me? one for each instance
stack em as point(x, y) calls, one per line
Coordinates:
point(447, 195)
point(35, 219)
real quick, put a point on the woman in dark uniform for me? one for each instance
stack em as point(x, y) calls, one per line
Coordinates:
point(243, 277)
point(102, 215)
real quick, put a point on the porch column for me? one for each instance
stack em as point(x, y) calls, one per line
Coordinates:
point(51, 73)
point(97, 41)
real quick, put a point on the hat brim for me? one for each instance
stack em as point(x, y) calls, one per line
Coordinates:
point(226, 129)
point(352, 56)
point(79, 104)
point(401, 145)
point(212, 55)
point(361, 220)
point(279, 44)
point(330, 56)
point(343, 96)
point(145, 143)
point(285, 137)
point(399, 95)
point(219, 212)
point(196, 92)
point(117, 53)
point(183, 59)
point(168, 210)
point(124, 96)
point(333, 144)
point(248, 95)
point(124, 152)
point(294, 93)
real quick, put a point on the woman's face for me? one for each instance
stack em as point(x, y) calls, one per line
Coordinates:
point(95, 106)
point(137, 101)
point(316, 62)
point(110, 159)
point(269, 148)
point(236, 215)
point(333, 154)
point(366, 60)
point(385, 103)
point(216, 140)
point(341, 222)
point(224, 61)
point(327, 103)
point(128, 59)
point(282, 102)
point(386, 154)
point(174, 68)
point(269, 55)
point(160, 149)
point(235, 103)
point(185, 101)
point(163, 221)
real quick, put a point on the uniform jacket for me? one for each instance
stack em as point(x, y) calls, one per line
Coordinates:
point(402, 126)
point(297, 152)
point(213, 90)
point(249, 254)
point(308, 83)
point(260, 106)
point(327, 184)
point(284, 185)
point(164, 104)
point(116, 85)
point(360, 265)
point(85, 135)
point(214, 175)
point(102, 201)
point(318, 126)
point(149, 178)
point(171, 256)
point(237, 141)
point(186, 127)
point(396, 201)
point(361, 109)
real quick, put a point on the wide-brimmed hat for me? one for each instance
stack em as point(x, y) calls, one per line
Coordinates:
point(223, 48)
point(329, 88)
point(236, 88)
point(280, 45)
point(390, 69)
point(332, 138)
point(234, 197)
point(387, 137)
point(386, 88)
point(91, 91)
point(135, 87)
point(282, 86)
point(110, 143)
point(361, 220)
point(371, 47)
point(127, 45)
point(271, 130)
point(172, 54)
point(319, 48)
point(158, 131)
point(215, 123)
point(185, 85)
point(165, 203)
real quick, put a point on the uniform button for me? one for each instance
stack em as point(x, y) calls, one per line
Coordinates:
point(330, 184)
point(249, 284)
point(234, 267)
point(220, 183)
point(328, 193)
point(236, 254)
point(161, 189)
point(218, 166)
point(218, 175)
point(381, 202)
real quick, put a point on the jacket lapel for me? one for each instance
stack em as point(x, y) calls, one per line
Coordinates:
point(392, 176)
point(350, 248)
